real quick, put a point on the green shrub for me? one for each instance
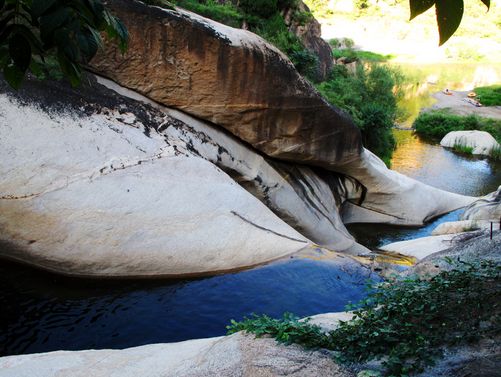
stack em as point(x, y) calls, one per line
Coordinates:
point(302, 17)
point(489, 95)
point(259, 8)
point(462, 148)
point(434, 125)
point(404, 323)
point(225, 13)
point(369, 96)
point(288, 329)
point(305, 61)
point(275, 31)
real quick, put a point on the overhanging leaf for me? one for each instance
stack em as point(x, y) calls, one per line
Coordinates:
point(13, 75)
point(20, 51)
point(39, 7)
point(487, 3)
point(449, 15)
point(420, 6)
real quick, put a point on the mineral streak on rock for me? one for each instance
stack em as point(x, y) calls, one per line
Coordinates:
point(230, 77)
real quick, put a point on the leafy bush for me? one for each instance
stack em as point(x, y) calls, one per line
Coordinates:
point(225, 13)
point(288, 329)
point(34, 34)
point(302, 17)
point(489, 95)
point(259, 8)
point(369, 95)
point(404, 323)
point(434, 125)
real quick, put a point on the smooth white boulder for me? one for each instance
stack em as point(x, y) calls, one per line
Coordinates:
point(393, 198)
point(94, 196)
point(230, 356)
point(482, 142)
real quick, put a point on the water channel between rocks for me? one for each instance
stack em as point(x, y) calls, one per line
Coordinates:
point(43, 312)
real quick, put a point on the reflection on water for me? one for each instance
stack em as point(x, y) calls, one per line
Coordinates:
point(43, 312)
point(435, 166)
point(442, 168)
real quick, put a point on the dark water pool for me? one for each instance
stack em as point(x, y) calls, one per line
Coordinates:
point(43, 312)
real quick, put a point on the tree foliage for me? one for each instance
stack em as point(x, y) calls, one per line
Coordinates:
point(38, 35)
point(369, 95)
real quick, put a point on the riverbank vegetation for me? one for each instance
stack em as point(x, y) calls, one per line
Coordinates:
point(462, 148)
point(489, 95)
point(434, 125)
point(403, 323)
point(369, 95)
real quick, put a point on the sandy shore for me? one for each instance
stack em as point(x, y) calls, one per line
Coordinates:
point(457, 104)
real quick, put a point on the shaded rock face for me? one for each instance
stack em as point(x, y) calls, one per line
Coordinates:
point(232, 78)
point(235, 355)
point(310, 34)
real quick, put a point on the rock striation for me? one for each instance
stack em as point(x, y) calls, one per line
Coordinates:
point(248, 165)
point(230, 77)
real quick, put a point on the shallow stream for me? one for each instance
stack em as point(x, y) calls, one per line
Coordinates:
point(43, 312)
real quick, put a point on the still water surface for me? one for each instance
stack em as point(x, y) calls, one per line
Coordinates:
point(435, 166)
point(43, 312)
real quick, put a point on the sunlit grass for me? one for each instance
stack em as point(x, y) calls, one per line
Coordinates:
point(489, 95)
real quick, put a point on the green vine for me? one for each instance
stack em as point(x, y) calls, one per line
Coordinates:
point(404, 323)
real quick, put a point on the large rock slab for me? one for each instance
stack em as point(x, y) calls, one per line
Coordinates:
point(235, 355)
point(94, 189)
point(482, 143)
point(230, 77)
point(305, 199)
point(393, 198)
point(486, 208)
